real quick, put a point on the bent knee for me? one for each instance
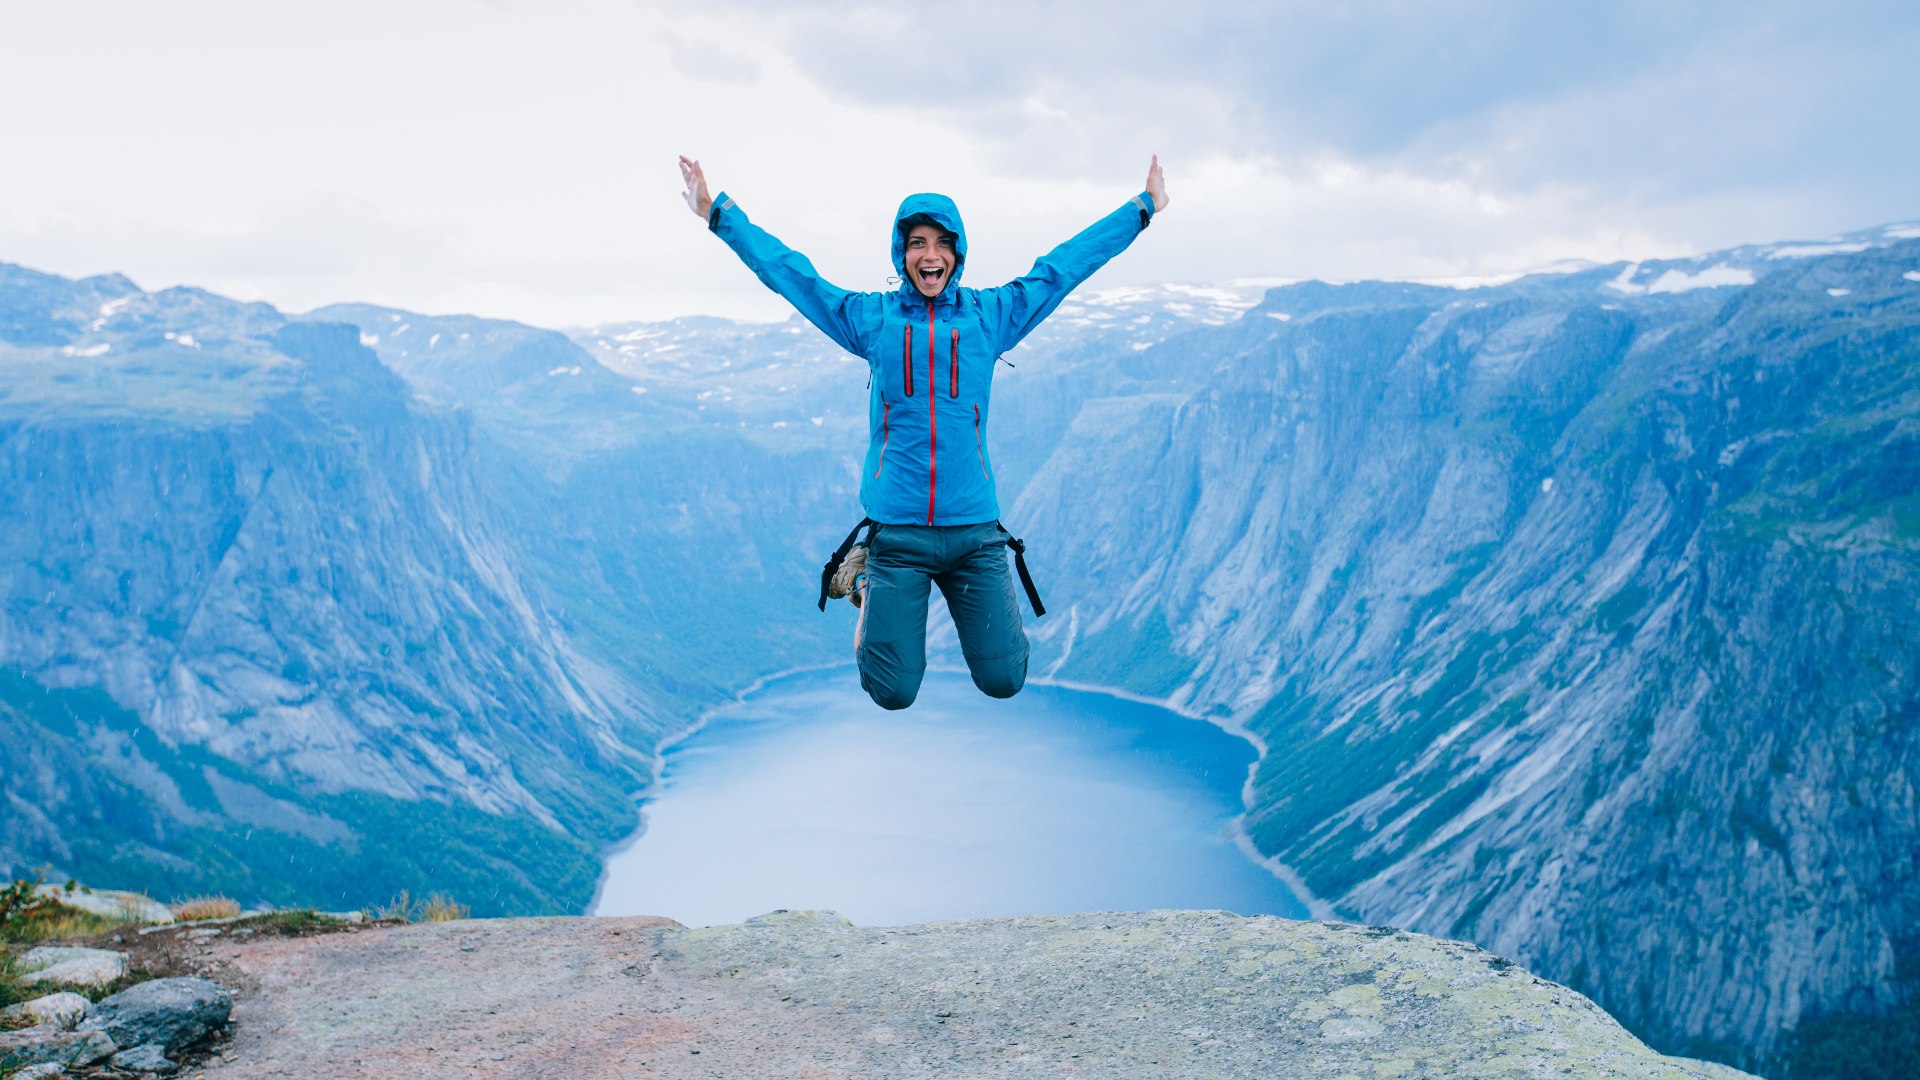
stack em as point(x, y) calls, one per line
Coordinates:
point(890, 690)
point(893, 698)
point(1001, 678)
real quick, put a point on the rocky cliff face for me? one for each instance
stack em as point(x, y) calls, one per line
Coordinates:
point(301, 607)
point(1576, 619)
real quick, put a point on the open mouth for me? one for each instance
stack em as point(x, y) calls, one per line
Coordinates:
point(931, 275)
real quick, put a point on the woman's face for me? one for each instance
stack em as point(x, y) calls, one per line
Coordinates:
point(930, 259)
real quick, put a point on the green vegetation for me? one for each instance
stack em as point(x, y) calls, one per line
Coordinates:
point(290, 922)
point(167, 383)
point(1851, 1047)
point(1467, 565)
point(435, 908)
point(26, 916)
point(1139, 657)
point(22, 909)
point(1300, 792)
point(1615, 615)
point(501, 865)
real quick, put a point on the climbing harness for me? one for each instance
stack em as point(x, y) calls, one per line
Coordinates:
point(1018, 545)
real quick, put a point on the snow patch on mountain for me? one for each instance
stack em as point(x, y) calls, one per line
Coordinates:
point(1713, 277)
point(1807, 251)
point(1677, 281)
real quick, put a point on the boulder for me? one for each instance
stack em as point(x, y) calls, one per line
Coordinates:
point(64, 1009)
point(34, 1045)
point(174, 1013)
point(46, 1070)
point(70, 966)
point(801, 918)
point(146, 1058)
point(109, 904)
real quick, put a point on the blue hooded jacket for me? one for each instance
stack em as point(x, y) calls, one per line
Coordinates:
point(932, 359)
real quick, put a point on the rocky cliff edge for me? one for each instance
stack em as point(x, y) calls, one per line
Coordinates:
point(1160, 994)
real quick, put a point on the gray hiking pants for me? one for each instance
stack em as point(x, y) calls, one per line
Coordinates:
point(969, 563)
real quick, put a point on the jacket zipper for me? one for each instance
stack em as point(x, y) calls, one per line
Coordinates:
point(980, 444)
point(906, 360)
point(886, 435)
point(933, 419)
point(953, 374)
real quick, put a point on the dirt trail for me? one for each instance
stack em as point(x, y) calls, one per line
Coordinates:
point(805, 995)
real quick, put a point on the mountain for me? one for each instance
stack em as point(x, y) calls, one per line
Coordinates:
point(265, 632)
point(1577, 620)
point(1572, 612)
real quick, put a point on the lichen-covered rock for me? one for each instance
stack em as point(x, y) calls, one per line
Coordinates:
point(67, 965)
point(174, 1013)
point(801, 918)
point(34, 1045)
point(111, 904)
point(63, 1009)
point(146, 1058)
point(1168, 993)
point(46, 1070)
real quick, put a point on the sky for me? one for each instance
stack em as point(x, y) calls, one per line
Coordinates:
point(518, 159)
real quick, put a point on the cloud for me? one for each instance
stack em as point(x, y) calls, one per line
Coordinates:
point(1658, 101)
point(704, 61)
point(517, 159)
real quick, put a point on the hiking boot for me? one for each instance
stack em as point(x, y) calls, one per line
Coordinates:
point(847, 579)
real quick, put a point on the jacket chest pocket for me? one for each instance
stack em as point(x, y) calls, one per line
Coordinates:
point(907, 362)
point(953, 360)
point(931, 361)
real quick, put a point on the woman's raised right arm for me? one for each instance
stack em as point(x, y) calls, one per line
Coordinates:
point(781, 268)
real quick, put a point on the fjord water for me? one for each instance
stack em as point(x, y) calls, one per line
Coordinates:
point(806, 795)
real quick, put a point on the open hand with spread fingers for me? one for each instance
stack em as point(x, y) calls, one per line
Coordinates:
point(1156, 185)
point(698, 200)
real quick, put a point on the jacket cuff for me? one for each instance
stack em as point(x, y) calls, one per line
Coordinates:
point(1144, 201)
point(720, 202)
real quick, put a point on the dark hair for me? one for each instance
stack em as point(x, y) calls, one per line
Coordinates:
point(913, 221)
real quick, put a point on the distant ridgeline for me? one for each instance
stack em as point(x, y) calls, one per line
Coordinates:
point(1576, 613)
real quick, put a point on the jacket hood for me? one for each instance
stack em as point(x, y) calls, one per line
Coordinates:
point(944, 214)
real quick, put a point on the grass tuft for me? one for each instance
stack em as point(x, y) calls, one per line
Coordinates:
point(437, 907)
point(11, 992)
point(66, 923)
point(442, 908)
point(22, 908)
point(291, 921)
point(195, 908)
point(402, 907)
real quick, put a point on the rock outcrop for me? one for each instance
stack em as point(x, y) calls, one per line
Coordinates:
point(133, 1030)
point(1164, 994)
point(70, 965)
point(171, 1014)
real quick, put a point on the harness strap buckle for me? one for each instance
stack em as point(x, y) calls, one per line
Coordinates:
point(839, 556)
point(1019, 547)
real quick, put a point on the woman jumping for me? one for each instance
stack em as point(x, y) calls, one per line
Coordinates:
point(927, 485)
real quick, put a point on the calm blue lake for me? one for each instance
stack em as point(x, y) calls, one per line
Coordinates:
point(1057, 801)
